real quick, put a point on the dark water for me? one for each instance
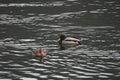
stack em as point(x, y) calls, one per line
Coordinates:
point(29, 24)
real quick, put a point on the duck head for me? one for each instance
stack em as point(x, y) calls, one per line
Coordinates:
point(62, 37)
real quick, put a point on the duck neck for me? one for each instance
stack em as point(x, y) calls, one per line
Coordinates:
point(60, 42)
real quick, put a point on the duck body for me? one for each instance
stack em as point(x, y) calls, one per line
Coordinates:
point(69, 41)
point(39, 53)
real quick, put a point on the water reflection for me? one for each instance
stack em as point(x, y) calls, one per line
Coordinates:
point(26, 25)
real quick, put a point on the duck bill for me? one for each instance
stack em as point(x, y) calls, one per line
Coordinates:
point(58, 40)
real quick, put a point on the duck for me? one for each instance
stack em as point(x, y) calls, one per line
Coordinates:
point(65, 40)
point(39, 53)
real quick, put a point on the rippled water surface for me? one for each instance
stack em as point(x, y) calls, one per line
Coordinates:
point(29, 24)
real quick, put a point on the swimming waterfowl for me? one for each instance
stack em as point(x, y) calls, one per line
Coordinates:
point(39, 53)
point(64, 40)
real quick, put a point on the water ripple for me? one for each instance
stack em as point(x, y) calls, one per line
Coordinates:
point(25, 26)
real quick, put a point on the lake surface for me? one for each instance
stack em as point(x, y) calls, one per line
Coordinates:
point(28, 24)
